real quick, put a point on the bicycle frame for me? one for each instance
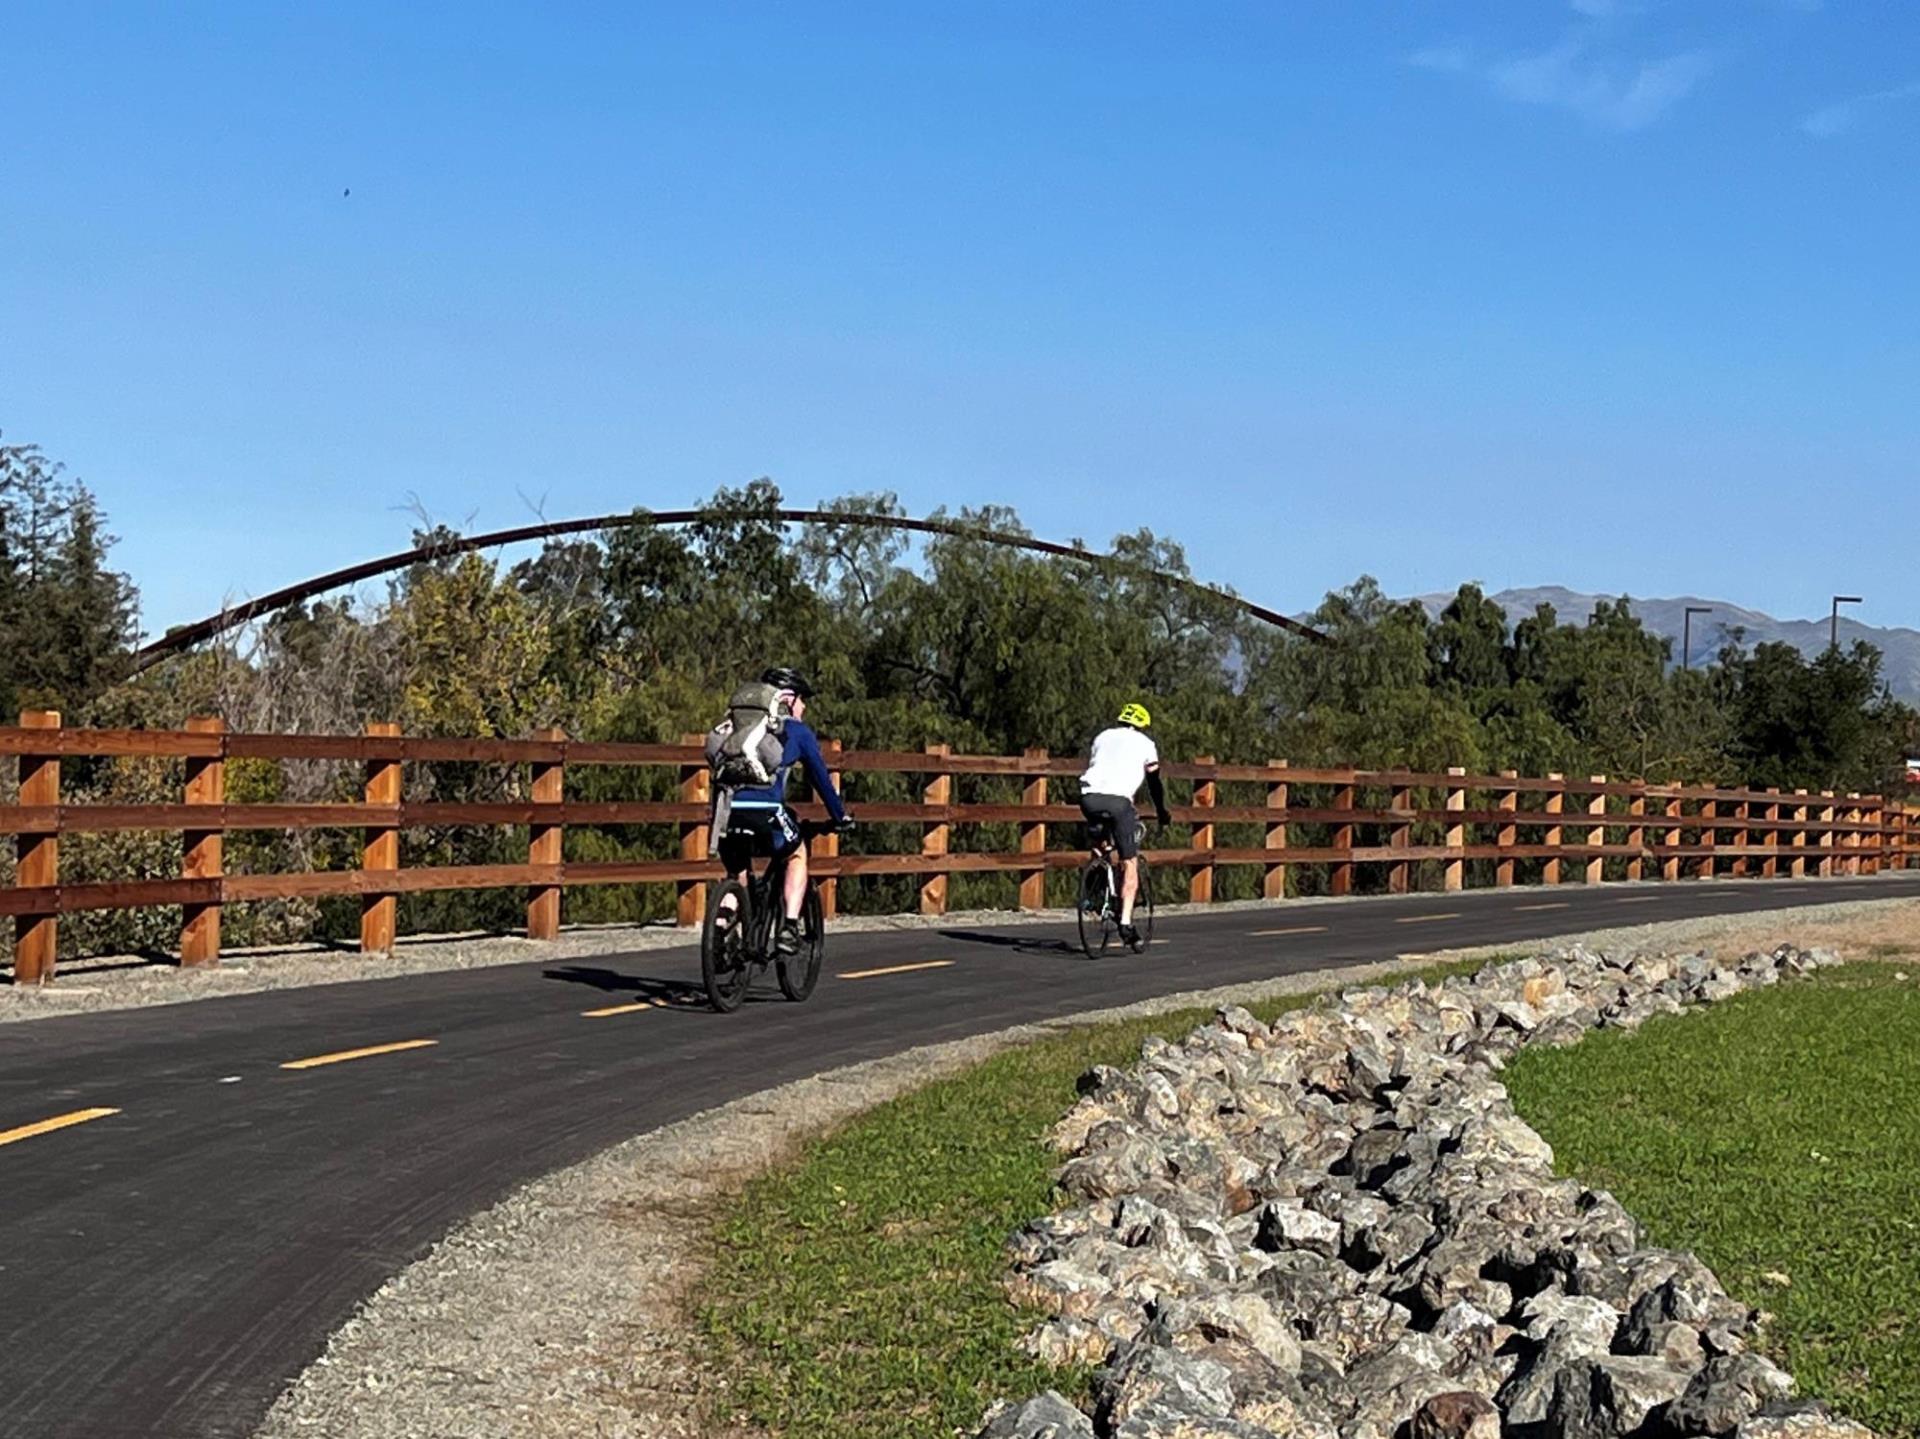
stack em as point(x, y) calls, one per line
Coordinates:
point(1104, 859)
point(733, 949)
point(766, 894)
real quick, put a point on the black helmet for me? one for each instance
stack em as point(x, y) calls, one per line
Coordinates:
point(785, 677)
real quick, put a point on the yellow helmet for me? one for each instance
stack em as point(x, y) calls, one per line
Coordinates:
point(1135, 715)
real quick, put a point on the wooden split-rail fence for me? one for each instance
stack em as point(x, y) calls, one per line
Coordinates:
point(1571, 827)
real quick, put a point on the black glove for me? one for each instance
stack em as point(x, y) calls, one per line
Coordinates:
point(1163, 819)
point(845, 824)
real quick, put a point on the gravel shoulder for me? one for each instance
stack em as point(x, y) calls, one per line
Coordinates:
point(563, 1310)
point(112, 982)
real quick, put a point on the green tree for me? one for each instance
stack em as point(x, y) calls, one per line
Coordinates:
point(1828, 723)
point(1469, 645)
point(67, 620)
point(475, 654)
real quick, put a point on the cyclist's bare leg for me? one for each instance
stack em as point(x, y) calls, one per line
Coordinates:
point(730, 901)
point(794, 888)
point(1129, 887)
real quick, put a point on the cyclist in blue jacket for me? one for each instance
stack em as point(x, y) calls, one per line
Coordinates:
point(759, 823)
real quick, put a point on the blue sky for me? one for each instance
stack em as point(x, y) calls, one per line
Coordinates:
point(1609, 294)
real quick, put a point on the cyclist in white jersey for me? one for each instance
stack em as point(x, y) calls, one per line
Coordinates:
point(1123, 758)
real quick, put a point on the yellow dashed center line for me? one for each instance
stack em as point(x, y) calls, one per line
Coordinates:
point(1423, 918)
point(634, 1008)
point(894, 969)
point(47, 1126)
point(1297, 929)
point(342, 1056)
point(1557, 904)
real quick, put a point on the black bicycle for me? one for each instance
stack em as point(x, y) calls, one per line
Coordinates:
point(733, 952)
point(1099, 903)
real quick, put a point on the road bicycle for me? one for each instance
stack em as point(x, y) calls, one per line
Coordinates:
point(1098, 907)
point(732, 953)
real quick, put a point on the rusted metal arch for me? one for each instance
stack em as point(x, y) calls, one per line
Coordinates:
point(185, 636)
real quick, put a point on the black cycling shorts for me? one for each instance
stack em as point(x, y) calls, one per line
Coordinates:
point(1115, 816)
point(754, 833)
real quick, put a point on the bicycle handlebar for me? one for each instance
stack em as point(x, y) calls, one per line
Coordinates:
point(812, 828)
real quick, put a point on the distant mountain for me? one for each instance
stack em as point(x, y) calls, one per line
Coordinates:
point(1665, 617)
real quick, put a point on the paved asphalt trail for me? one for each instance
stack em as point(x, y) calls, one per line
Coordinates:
point(165, 1270)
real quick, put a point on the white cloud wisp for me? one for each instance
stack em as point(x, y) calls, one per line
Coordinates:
point(1616, 97)
point(1837, 119)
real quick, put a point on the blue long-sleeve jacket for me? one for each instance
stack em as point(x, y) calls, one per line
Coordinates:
point(802, 748)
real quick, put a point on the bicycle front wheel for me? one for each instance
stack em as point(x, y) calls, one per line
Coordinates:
point(726, 955)
point(799, 973)
point(1095, 908)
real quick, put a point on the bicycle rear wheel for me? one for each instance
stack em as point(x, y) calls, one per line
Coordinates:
point(726, 962)
point(798, 973)
point(1095, 908)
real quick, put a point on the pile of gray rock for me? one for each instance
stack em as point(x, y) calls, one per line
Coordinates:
point(1336, 1227)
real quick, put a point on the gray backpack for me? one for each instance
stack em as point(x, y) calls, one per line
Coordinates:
point(744, 749)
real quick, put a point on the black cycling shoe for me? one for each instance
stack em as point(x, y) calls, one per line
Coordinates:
point(789, 941)
point(1129, 936)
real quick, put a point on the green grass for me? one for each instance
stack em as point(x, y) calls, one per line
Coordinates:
point(855, 1293)
point(1776, 1135)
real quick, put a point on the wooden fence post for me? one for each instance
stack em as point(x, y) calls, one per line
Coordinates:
point(1827, 834)
point(1798, 866)
point(1742, 812)
point(1033, 833)
point(36, 937)
point(1851, 839)
point(1676, 809)
point(827, 846)
point(1400, 837)
point(1636, 833)
point(1709, 839)
point(380, 851)
point(1274, 884)
point(546, 842)
point(696, 838)
point(1596, 871)
point(1205, 794)
point(202, 849)
point(936, 834)
point(1340, 875)
point(1508, 835)
point(1455, 874)
point(1556, 804)
point(1770, 841)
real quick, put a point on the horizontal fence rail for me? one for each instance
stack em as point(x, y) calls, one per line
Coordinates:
point(1557, 823)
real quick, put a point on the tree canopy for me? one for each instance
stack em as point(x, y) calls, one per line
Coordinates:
point(640, 633)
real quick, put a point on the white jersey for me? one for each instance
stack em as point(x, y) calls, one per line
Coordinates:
point(1118, 765)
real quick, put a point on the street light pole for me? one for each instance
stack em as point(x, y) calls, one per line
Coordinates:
point(1833, 625)
point(1686, 631)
